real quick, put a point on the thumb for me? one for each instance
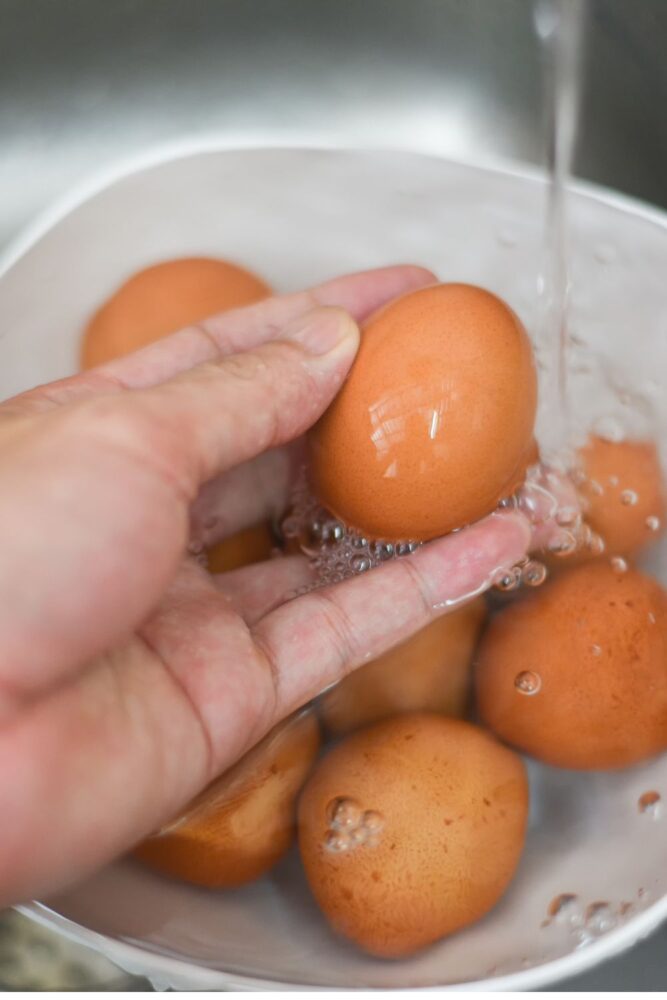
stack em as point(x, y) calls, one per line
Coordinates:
point(103, 488)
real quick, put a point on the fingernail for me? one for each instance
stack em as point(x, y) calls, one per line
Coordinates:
point(325, 333)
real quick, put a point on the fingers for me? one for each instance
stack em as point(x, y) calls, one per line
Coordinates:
point(103, 490)
point(315, 640)
point(221, 414)
point(89, 770)
point(255, 491)
point(245, 329)
point(254, 591)
point(147, 728)
point(231, 332)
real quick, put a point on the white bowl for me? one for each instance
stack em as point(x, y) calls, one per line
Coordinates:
point(298, 216)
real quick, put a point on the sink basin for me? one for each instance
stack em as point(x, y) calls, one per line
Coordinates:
point(84, 83)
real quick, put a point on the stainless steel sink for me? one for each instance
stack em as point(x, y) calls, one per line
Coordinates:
point(86, 82)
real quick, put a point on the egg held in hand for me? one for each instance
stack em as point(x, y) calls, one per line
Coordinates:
point(412, 829)
point(244, 822)
point(162, 299)
point(428, 672)
point(434, 425)
point(576, 673)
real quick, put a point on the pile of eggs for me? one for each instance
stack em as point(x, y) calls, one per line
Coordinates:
point(404, 785)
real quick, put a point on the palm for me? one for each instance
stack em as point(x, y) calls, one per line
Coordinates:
point(130, 677)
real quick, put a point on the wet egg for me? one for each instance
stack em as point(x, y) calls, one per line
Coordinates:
point(244, 822)
point(428, 672)
point(576, 673)
point(164, 298)
point(434, 425)
point(412, 829)
point(623, 493)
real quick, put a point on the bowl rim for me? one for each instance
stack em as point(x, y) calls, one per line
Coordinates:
point(162, 969)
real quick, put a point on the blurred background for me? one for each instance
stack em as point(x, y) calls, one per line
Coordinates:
point(86, 83)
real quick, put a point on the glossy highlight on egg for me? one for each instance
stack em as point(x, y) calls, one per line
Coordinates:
point(434, 425)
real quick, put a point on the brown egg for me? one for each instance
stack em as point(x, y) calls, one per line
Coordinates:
point(252, 545)
point(243, 823)
point(434, 425)
point(162, 299)
point(411, 830)
point(576, 673)
point(623, 494)
point(428, 672)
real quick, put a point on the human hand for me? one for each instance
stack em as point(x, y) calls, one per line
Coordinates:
point(129, 677)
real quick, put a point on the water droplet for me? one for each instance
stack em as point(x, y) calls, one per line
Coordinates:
point(536, 503)
point(508, 503)
point(337, 842)
point(613, 480)
point(595, 544)
point(290, 526)
point(629, 498)
point(609, 428)
point(651, 618)
point(358, 835)
point(534, 573)
point(618, 564)
point(562, 907)
point(507, 580)
point(327, 533)
point(344, 814)
point(360, 564)
point(373, 821)
point(653, 523)
point(383, 550)
point(528, 682)
point(566, 516)
point(596, 650)
point(650, 803)
point(599, 918)
point(563, 544)
point(195, 548)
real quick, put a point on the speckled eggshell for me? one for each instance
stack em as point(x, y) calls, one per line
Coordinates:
point(592, 647)
point(434, 425)
point(623, 496)
point(432, 812)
